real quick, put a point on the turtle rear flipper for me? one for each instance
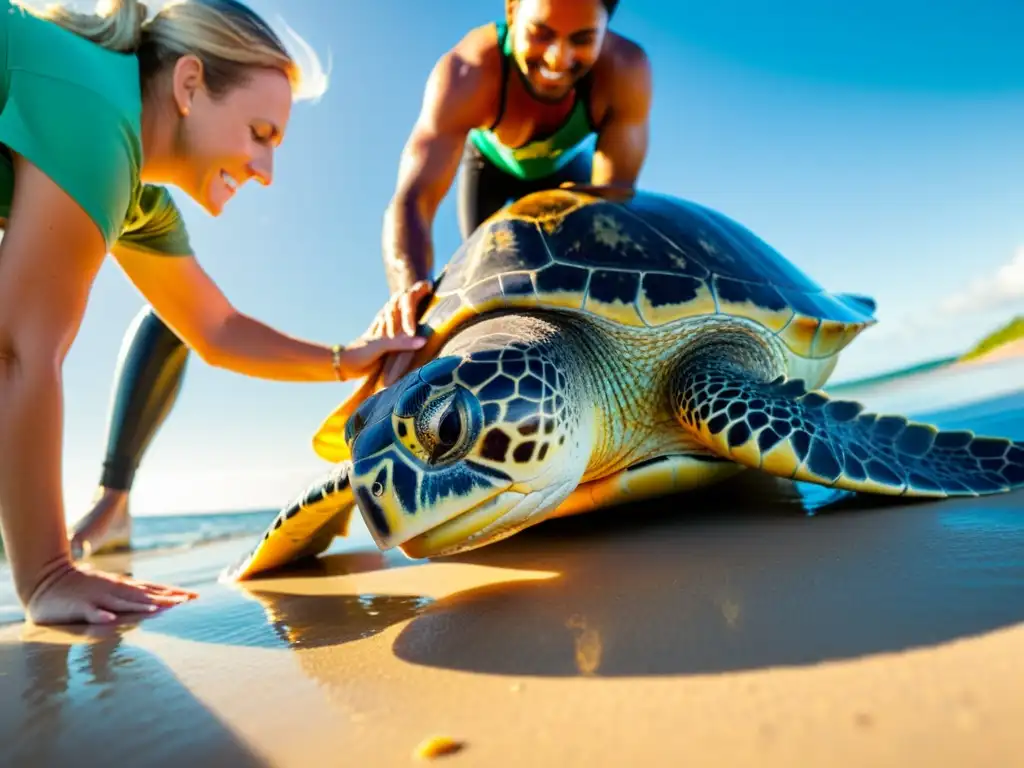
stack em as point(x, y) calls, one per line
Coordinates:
point(304, 528)
point(788, 431)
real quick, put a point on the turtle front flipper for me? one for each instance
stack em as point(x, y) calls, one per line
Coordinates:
point(784, 429)
point(304, 528)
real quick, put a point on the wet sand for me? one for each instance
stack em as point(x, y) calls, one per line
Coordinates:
point(760, 623)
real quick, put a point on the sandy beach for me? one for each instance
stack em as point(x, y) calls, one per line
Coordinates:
point(756, 624)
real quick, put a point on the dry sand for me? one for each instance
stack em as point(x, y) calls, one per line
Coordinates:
point(729, 628)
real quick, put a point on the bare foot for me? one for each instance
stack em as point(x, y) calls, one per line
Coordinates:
point(106, 528)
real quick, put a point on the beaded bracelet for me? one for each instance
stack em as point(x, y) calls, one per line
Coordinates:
point(336, 351)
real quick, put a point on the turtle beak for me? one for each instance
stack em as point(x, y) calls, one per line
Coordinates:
point(426, 513)
point(465, 531)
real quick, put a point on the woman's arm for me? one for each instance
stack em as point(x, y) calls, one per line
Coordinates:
point(188, 300)
point(49, 257)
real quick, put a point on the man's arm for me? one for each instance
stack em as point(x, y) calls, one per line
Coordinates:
point(623, 140)
point(455, 101)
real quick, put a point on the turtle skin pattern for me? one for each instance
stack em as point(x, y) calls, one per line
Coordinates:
point(781, 427)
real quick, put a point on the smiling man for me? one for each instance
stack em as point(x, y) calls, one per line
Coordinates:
point(514, 105)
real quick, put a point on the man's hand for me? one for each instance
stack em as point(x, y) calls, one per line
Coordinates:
point(398, 315)
point(399, 312)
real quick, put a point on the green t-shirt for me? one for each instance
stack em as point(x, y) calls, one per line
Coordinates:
point(74, 109)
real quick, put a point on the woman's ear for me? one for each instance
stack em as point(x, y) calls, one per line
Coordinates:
point(187, 79)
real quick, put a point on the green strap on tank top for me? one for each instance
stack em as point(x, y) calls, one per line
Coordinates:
point(541, 157)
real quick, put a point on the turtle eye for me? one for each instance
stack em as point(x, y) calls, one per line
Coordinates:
point(446, 428)
point(449, 429)
point(443, 427)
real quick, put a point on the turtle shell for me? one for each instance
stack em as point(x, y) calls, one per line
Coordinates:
point(640, 259)
point(636, 258)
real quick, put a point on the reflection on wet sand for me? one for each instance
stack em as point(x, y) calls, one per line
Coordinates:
point(270, 617)
point(84, 693)
point(317, 621)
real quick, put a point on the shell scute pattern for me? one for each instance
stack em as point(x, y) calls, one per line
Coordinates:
point(604, 236)
point(639, 259)
point(723, 245)
point(756, 301)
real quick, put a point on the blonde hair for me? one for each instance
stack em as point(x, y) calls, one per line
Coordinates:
point(227, 36)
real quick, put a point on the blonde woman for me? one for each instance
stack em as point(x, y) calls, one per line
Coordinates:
point(96, 113)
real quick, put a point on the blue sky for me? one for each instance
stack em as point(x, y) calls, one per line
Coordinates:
point(875, 144)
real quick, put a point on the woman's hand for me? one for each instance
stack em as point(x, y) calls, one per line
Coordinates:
point(74, 594)
point(363, 356)
point(196, 310)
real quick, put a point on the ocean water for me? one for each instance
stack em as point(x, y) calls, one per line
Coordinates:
point(988, 399)
point(170, 532)
point(159, 534)
point(164, 532)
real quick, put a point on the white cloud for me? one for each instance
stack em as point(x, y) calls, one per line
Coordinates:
point(947, 326)
point(1005, 287)
point(997, 291)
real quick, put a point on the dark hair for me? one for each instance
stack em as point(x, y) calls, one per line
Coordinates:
point(610, 5)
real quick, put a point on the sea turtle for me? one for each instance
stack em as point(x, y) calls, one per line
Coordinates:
point(593, 346)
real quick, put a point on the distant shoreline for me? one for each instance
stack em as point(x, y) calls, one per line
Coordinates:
point(978, 355)
point(892, 375)
point(1003, 352)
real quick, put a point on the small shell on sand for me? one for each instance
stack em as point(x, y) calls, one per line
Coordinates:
point(437, 746)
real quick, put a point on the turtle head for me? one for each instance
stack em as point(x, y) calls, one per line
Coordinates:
point(464, 451)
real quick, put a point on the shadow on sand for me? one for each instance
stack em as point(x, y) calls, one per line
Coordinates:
point(737, 579)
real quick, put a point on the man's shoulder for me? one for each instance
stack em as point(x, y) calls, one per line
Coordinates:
point(623, 58)
point(622, 79)
point(468, 75)
point(476, 57)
